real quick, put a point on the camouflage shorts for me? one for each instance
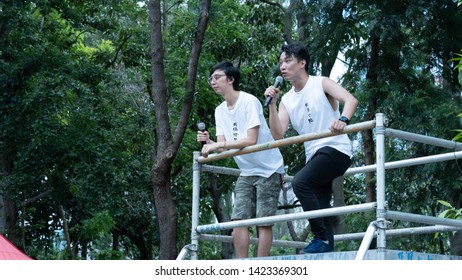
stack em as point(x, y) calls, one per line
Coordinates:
point(256, 196)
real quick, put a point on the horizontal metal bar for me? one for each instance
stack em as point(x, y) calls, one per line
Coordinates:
point(286, 141)
point(338, 237)
point(355, 170)
point(253, 240)
point(423, 219)
point(407, 162)
point(399, 232)
point(220, 170)
point(289, 217)
point(423, 139)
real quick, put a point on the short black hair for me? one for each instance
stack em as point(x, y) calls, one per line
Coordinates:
point(230, 71)
point(298, 50)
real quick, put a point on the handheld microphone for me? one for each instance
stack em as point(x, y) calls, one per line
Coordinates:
point(201, 127)
point(277, 84)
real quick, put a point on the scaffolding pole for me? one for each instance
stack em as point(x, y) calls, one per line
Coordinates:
point(381, 224)
point(398, 232)
point(365, 244)
point(339, 237)
point(286, 141)
point(343, 210)
point(193, 249)
point(423, 139)
point(406, 162)
point(353, 170)
point(408, 217)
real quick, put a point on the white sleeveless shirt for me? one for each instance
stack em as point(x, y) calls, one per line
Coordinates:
point(233, 125)
point(310, 111)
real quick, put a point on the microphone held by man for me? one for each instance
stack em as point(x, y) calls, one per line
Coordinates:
point(277, 84)
point(201, 127)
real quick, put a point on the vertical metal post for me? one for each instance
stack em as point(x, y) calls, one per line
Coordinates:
point(381, 200)
point(195, 206)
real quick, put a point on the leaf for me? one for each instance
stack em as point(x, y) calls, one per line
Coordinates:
point(445, 214)
point(459, 213)
point(445, 203)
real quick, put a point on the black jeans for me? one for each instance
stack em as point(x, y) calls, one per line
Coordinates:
point(313, 186)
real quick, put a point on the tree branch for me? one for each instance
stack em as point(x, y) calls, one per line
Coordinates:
point(192, 73)
point(31, 200)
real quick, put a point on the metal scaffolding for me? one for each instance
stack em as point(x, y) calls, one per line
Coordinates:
point(377, 229)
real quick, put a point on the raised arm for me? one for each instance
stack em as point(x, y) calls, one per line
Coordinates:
point(336, 92)
point(278, 121)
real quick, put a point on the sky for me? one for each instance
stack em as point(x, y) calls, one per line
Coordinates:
point(339, 68)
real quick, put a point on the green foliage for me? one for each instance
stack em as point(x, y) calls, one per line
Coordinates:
point(458, 67)
point(99, 223)
point(76, 119)
point(458, 137)
point(72, 125)
point(451, 212)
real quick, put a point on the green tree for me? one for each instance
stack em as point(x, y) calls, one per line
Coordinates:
point(168, 143)
point(98, 115)
point(73, 135)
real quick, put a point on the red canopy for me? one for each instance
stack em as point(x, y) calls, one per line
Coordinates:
point(9, 252)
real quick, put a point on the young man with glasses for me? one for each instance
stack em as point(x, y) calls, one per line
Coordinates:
point(240, 123)
point(313, 105)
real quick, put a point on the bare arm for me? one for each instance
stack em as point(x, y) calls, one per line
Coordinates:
point(278, 121)
point(335, 92)
point(251, 139)
point(222, 144)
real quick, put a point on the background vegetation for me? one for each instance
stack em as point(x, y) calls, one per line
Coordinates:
point(99, 102)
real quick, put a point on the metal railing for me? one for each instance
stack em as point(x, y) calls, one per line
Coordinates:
point(377, 229)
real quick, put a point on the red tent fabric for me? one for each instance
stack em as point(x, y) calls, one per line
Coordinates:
point(9, 252)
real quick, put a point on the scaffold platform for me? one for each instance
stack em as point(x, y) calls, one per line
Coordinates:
point(378, 229)
point(370, 255)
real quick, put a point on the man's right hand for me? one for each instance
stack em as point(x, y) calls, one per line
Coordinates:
point(273, 92)
point(202, 136)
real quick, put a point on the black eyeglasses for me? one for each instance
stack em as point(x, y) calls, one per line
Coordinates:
point(214, 78)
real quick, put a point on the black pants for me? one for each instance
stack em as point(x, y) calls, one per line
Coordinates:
point(313, 186)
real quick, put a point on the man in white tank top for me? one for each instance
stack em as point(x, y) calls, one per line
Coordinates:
point(312, 105)
point(240, 123)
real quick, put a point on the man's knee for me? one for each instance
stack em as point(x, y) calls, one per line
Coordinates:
point(299, 186)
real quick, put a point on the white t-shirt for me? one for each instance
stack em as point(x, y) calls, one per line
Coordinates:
point(233, 125)
point(310, 111)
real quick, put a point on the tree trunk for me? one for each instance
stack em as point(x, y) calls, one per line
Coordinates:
point(84, 249)
point(2, 215)
point(9, 210)
point(456, 244)
point(144, 245)
point(289, 209)
point(62, 214)
point(221, 212)
point(368, 140)
point(297, 7)
point(11, 220)
point(165, 211)
point(115, 240)
point(338, 222)
point(167, 145)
